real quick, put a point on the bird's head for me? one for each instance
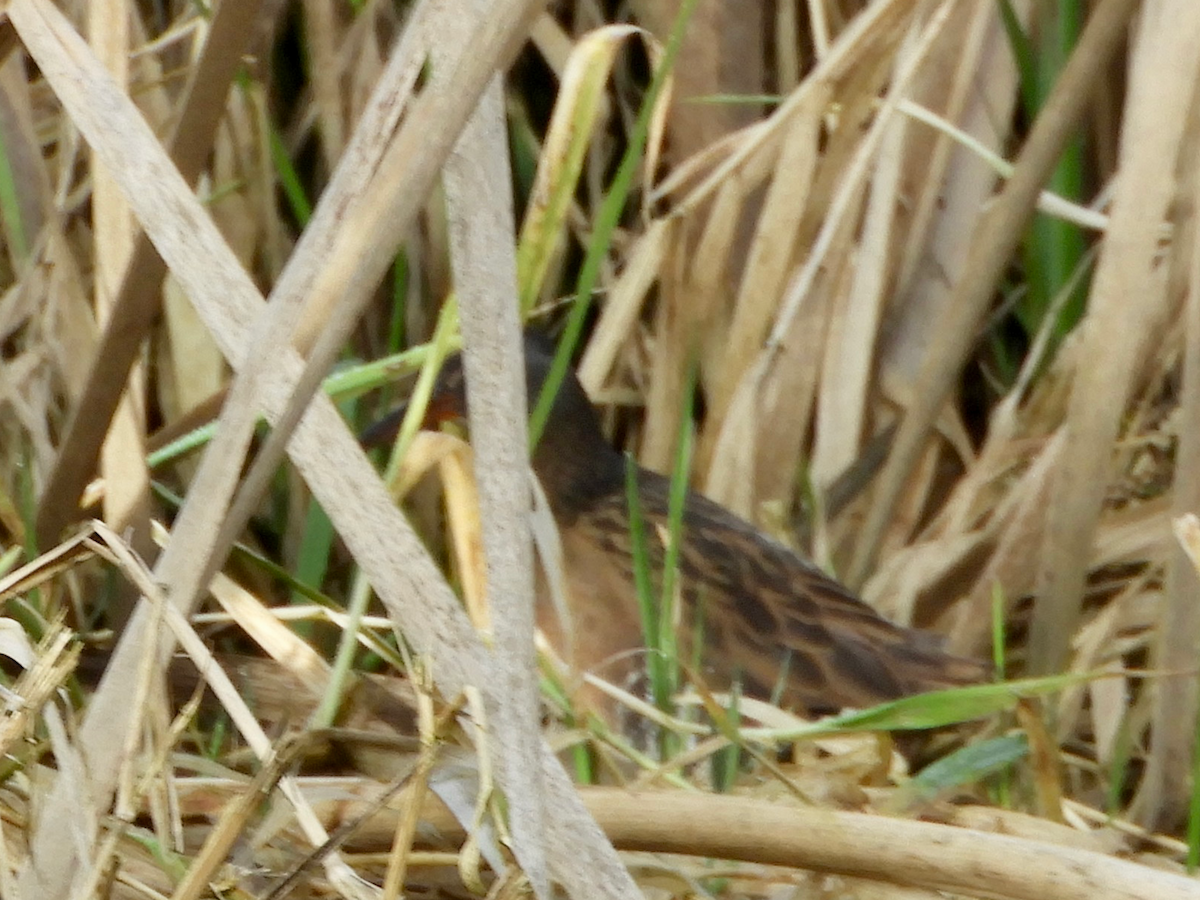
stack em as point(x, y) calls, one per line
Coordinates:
point(572, 452)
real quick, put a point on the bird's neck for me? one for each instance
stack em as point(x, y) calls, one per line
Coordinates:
point(576, 467)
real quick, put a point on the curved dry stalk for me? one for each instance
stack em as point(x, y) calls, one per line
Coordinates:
point(897, 851)
point(923, 854)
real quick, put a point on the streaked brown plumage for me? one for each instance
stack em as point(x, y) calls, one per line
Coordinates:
point(769, 617)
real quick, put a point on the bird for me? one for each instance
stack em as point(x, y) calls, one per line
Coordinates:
point(770, 621)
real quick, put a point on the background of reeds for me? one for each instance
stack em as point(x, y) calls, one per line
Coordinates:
point(983, 417)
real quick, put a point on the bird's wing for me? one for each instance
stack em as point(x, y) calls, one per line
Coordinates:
point(771, 619)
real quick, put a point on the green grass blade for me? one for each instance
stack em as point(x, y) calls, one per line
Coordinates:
point(606, 223)
point(963, 767)
point(934, 709)
point(644, 587)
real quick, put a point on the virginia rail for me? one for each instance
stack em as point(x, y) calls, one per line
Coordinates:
point(770, 619)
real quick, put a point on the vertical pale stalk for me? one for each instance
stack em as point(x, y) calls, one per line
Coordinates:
point(1127, 303)
point(122, 459)
point(321, 36)
point(483, 250)
point(1159, 801)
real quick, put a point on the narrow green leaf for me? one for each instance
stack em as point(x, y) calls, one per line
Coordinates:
point(965, 766)
point(606, 223)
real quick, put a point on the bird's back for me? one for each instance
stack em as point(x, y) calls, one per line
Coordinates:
point(766, 616)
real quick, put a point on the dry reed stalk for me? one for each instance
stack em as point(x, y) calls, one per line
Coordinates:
point(843, 221)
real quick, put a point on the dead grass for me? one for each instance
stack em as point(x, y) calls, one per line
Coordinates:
point(842, 262)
